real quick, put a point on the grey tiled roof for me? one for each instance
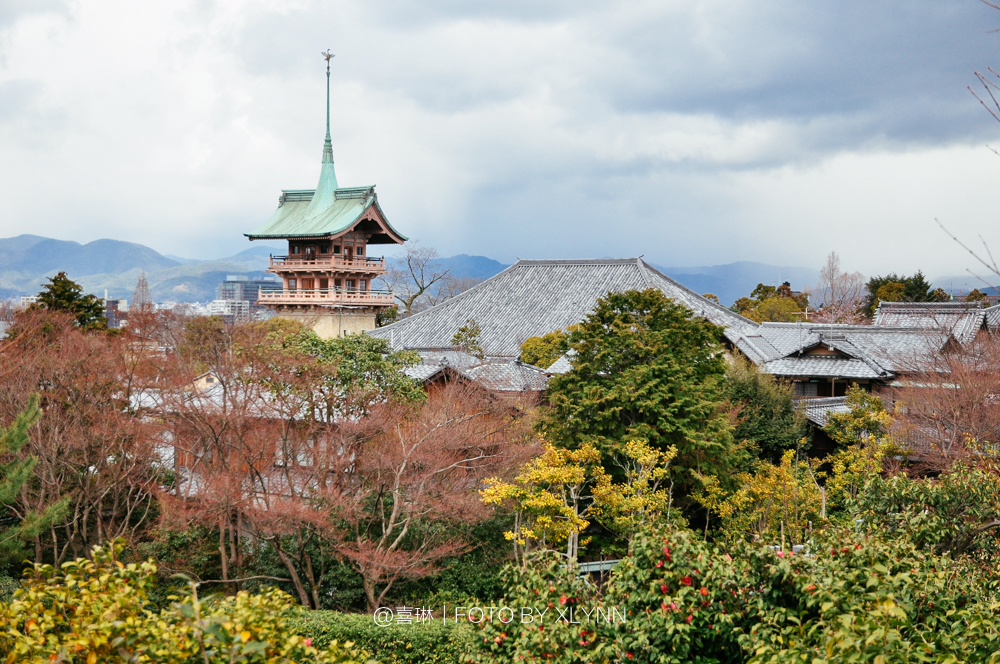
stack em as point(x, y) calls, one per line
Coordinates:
point(993, 317)
point(501, 375)
point(818, 410)
point(814, 366)
point(962, 319)
point(509, 376)
point(534, 297)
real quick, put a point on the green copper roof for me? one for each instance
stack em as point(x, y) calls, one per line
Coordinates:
point(328, 209)
point(301, 213)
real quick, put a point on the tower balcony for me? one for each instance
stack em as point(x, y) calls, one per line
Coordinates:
point(331, 297)
point(323, 263)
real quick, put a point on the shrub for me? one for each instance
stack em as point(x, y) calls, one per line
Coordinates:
point(432, 642)
point(98, 611)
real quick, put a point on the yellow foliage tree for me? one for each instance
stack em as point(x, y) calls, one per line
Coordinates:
point(548, 499)
point(776, 504)
point(644, 498)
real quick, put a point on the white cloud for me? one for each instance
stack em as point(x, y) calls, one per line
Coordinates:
point(688, 132)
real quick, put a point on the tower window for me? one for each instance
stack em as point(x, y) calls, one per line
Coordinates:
point(364, 284)
point(291, 284)
point(295, 249)
point(336, 248)
point(324, 248)
point(361, 251)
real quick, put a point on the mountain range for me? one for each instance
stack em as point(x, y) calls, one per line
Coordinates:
point(27, 261)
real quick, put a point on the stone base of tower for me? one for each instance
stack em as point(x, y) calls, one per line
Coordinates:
point(331, 323)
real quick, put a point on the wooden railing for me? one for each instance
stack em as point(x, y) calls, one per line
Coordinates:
point(364, 264)
point(326, 296)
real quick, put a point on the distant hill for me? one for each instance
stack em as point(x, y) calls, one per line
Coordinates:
point(477, 267)
point(27, 261)
point(961, 285)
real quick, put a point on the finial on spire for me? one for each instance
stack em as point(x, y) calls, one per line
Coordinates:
point(328, 144)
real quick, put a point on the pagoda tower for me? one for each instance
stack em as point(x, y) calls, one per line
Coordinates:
point(328, 271)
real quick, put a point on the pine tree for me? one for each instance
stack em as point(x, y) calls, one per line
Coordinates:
point(64, 294)
point(13, 476)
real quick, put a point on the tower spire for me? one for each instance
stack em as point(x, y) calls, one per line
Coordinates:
point(327, 186)
point(328, 144)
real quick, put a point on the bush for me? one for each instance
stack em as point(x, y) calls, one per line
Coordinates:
point(99, 611)
point(432, 642)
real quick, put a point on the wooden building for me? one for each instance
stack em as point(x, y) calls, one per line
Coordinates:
point(328, 273)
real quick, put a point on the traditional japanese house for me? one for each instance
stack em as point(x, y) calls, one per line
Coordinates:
point(328, 274)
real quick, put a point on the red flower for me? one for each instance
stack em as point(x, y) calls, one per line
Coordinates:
point(686, 580)
point(562, 600)
point(664, 589)
point(781, 554)
point(629, 655)
point(689, 619)
point(663, 605)
point(666, 550)
point(810, 588)
point(703, 591)
point(659, 563)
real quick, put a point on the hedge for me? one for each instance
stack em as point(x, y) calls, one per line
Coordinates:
point(428, 643)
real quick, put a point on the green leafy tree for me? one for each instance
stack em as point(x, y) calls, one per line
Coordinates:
point(646, 369)
point(766, 416)
point(867, 420)
point(772, 303)
point(467, 339)
point(64, 294)
point(544, 350)
point(13, 476)
point(387, 316)
point(916, 288)
point(975, 295)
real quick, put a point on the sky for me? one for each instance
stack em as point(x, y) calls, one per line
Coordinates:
point(692, 133)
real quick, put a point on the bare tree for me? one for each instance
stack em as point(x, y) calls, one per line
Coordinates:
point(841, 294)
point(948, 406)
point(90, 445)
point(413, 276)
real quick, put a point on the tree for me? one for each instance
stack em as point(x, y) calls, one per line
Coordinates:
point(413, 276)
point(645, 369)
point(63, 294)
point(975, 295)
point(544, 350)
point(841, 294)
point(93, 447)
point(142, 299)
point(772, 303)
point(766, 418)
point(467, 339)
point(915, 288)
point(946, 408)
point(27, 525)
point(548, 499)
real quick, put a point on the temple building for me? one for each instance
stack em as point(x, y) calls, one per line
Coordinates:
point(328, 273)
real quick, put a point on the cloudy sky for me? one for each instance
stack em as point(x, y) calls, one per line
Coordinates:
point(690, 132)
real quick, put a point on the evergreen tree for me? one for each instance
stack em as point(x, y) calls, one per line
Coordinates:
point(64, 294)
point(915, 289)
point(646, 369)
point(467, 339)
point(13, 476)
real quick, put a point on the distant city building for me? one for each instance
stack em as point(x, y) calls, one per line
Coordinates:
point(28, 300)
point(235, 309)
point(241, 287)
point(327, 275)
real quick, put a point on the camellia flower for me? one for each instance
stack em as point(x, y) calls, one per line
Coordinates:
point(664, 588)
point(663, 605)
point(562, 600)
point(810, 588)
point(659, 563)
point(689, 619)
point(686, 580)
point(308, 642)
point(703, 591)
point(781, 554)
